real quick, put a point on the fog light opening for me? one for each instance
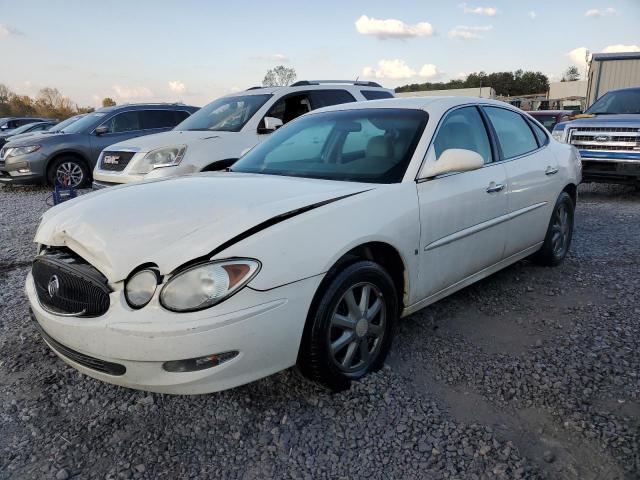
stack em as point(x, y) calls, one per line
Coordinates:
point(199, 363)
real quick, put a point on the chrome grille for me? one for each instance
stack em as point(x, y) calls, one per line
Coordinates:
point(67, 285)
point(615, 139)
point(115, 161)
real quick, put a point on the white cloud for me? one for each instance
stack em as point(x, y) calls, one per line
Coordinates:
point(579, 56)
point(176, 86)
point(127, 93)
point(396, 69)
point(392, 28)
point(6, 30)
point(594, 12)
point(532, 15)
point(488, 11)
point(468, 33)
point(619, 48)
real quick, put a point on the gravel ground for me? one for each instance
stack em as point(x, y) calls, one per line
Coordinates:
point(531, 373)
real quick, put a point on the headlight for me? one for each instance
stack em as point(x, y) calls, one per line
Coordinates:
point(140, 288)
point(161, 157)
point(205, 285)
point(15, 151)
point(558, 135)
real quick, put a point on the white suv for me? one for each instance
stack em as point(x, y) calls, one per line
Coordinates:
point(219, 133)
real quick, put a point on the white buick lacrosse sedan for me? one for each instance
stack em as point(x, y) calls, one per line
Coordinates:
point(307, 252)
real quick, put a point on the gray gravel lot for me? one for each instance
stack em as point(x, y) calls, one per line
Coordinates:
point(531, 373)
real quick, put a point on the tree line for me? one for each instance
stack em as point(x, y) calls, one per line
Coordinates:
point(504, 83)
point(48, 103)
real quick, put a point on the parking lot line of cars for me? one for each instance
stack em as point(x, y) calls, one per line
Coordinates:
point(210, 281)
point(69, 156)
point(220, 132)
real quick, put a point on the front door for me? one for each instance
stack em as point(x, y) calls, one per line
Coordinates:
point(463, 216)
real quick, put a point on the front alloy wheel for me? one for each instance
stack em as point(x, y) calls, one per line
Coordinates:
point(350, 325)
point(357, 327)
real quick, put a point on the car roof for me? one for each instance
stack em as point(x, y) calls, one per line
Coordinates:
point(431, 104)
point(305, 85)
point(140, 106)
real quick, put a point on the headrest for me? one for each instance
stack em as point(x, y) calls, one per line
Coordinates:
point(379, 146)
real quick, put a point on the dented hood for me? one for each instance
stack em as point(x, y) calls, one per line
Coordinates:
point(172, 221)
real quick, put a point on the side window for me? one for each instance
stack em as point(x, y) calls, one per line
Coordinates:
point(375, 94)
point(540, 134)
point(124, 122)
point(40, 127)
point(289, 108)
point(326, 98)
point(157, 119)
point(514, 134)
point(463, 128)
point(305, 145)
point(179, 115)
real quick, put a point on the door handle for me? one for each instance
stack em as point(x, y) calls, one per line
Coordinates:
point(550, 170)
point(495, 187)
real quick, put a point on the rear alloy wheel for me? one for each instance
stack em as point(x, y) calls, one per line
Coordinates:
point(350, 326)
point(68, 172)
point(559, 233)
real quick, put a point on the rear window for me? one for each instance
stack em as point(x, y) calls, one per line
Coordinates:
point(376, 94)
point(157, 119)
point(326, 98)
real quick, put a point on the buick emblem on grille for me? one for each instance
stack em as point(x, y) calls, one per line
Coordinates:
point(54, 286)
point(602, 138)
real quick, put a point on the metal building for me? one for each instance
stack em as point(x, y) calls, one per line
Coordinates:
point(609, 71)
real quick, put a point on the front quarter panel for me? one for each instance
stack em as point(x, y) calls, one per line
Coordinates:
point(310, 243)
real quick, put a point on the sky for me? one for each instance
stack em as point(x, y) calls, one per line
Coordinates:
point(194, 51)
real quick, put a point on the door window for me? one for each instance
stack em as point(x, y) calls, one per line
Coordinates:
point(179, 116)
point(326, 98)
point(124, 122)
point(291, 107)
point(540, 134)
point(463, 128)
point(514, 134)
point(157, 119)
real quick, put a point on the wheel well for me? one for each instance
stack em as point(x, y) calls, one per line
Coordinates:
point(219, 165)
point(572, 190)
point(66, 154)
point(389, 258)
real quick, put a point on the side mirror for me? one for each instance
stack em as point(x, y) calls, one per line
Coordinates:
point(4, 127)
point(269, 125)
point(453, 160)
point(101, 130)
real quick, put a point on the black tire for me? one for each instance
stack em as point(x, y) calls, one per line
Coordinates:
point(559, 230)
point(331, 368)
point(80, 176)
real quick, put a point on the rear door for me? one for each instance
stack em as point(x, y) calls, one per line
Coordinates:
point(532, 181)
point(156, 121)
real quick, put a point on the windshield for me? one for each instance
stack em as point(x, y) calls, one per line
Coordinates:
point(22, 129)
point(227, 114)
point(368, 145)
point(85, 122)
point(59, 126)
point(620, 102)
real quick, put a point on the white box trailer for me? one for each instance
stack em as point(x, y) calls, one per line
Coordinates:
point(610, 71)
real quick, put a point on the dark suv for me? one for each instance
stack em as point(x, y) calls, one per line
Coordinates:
point(69, 156)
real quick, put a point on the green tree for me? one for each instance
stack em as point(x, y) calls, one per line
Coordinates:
point(571, 74)
point(108, 102)
point(279, 76)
